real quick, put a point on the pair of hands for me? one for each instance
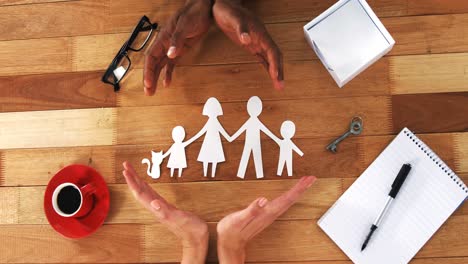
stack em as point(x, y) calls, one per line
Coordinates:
point(234, 231)
point(191, 23)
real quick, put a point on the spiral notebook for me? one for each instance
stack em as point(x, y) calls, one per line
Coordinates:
point(430, 194)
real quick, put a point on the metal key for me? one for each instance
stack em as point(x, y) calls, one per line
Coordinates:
point(355, 128)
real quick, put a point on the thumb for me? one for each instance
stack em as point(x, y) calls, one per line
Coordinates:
point(252, 210)
point(177, 41)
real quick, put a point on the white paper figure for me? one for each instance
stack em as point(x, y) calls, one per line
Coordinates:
point(252, 129)
point(154, 171)
point(212, 148)
point(288, 129)
point(177, 158)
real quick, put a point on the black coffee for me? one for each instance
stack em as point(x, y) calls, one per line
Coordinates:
point(69, 200)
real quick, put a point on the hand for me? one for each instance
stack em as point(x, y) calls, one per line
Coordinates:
point(182, 31)
point(191, 230)
point(248, 31)
point(236, 229)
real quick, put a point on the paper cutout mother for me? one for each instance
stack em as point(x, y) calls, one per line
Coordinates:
point(212, 149)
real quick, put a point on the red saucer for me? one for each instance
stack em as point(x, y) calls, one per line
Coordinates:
point(78, 227)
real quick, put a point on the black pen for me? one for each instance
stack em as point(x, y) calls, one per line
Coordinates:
point(396, 185)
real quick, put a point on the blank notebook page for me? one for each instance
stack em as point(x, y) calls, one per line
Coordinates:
point(430, 194)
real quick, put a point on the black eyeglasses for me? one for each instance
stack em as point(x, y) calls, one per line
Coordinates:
point(121, 63)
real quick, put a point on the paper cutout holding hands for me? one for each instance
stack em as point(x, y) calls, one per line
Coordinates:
point(252, 129)
point(212, 148)
point(288, 129)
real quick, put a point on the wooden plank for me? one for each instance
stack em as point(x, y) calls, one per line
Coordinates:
point(41, 244)
point(57, 19)
point(413, 35)
point(306, 242)
point(355, 154)
point(461, 150)
point(38, 166)
point(48, 20)
point(160, 120)
point(304, 79)
point(95, 52)
point(9, 205)
point(28, 2)
point(195, 197)
point(429, 113)
point(429, 73)
point(449, 260)
point(55, 92)
point(428, 34)
point(230, 83)
point(84, 127)
point(35, 55)
point(153, 243)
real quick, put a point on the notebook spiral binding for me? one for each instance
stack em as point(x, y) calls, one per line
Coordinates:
point(436, 159)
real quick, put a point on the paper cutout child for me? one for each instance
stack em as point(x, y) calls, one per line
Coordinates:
point(154, 171)
point(212, 148)
point(252, 129)
point(288, 129)
point(177, 158)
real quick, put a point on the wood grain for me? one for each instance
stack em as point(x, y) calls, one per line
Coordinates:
point(52, 54)
point(26, 2)
point(305, 241)
point(210, 201)
point(160, 120)
point(414, 35)
point(461, 150)
point(229, 83)
point(37, 166)
point(35, 56)
point(44, 18)
point(54, 92)
point(84, 127)
point(354, 154)
point(424, 113)
point(429, 73)
point(450, 260)
point(40, 243)
point(61, 19)
point(9, 205)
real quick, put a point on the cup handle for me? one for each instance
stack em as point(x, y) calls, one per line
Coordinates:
point(88, 189)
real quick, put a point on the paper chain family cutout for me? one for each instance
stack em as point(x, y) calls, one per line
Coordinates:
point(212, 149)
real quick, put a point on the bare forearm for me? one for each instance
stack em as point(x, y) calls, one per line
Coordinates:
point(229, 255)
point(194, 255)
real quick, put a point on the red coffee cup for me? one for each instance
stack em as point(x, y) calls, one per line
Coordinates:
point(71, 200)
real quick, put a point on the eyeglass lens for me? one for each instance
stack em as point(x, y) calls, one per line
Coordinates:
point(142, 36)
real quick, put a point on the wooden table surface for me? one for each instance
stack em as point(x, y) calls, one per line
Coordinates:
point(55, 111)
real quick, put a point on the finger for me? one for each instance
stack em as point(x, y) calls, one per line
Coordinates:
point(132, 179)
point(150, 79)
point(275, 69)
point(243, 31)
point(169, 69)
point(254, 209)
point(262, 60)
point(160, 209)
point(286, 200)
point(177, 39)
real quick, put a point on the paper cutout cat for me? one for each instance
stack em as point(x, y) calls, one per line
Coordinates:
point(154, 171)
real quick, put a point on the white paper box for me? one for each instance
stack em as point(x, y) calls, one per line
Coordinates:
point(348, 38)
